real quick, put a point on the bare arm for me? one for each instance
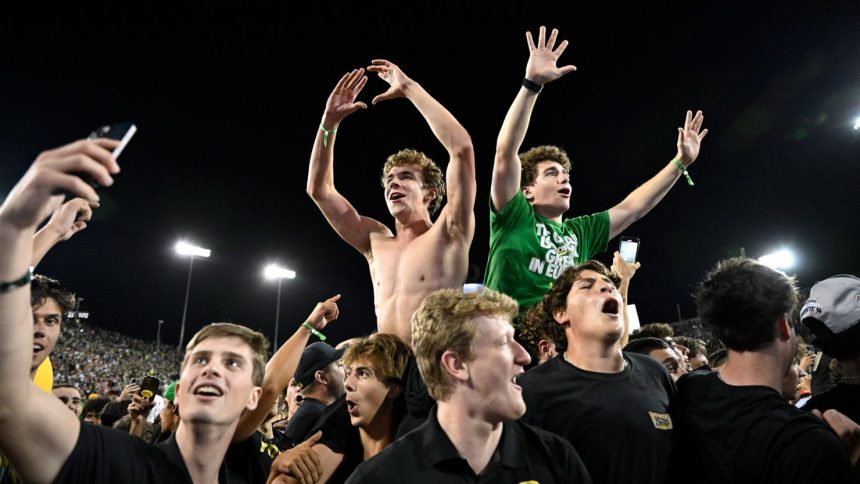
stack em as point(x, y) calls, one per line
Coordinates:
point(649, 194)
point(341, 215)
point(69, 219)
point(51, 430)
point(282, 366)
point(460, 175)
point(626, 272)
point(541, 68)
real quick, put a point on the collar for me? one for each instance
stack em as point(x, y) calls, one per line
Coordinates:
point(439, 449)
point(170, 449)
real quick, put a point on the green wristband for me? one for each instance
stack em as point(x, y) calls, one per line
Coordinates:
point(326, 133)
point(683, 171)
point(20, 282)
point(313, 331)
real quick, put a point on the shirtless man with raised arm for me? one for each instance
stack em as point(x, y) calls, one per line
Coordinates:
point(530, 243)
point(420, 256)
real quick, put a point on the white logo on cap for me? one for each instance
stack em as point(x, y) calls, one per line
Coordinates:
point(813, 307)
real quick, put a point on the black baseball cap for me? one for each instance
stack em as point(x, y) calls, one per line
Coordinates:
point(315, 357)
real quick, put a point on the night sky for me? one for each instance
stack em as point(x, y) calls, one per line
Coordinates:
point(227, 99)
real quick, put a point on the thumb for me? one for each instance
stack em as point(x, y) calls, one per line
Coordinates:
point(817, 413)
point(384, 96)
point(566, 69)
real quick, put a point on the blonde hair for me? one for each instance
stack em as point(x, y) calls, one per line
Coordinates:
point(445, 321)
point(386, 352)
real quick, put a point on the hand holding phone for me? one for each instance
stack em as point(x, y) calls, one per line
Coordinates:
point(121, 132)
point(149, 387)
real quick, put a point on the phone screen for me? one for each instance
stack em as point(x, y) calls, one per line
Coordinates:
point(629, 248)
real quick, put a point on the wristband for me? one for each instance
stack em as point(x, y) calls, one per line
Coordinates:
point(532, 86)
point(20, 282)
point(313, 331)
point(326, 133)
point(683, 171)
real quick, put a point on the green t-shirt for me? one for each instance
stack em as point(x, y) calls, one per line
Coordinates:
point(528, 252)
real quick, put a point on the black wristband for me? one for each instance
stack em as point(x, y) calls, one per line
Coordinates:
point(20, 282)
point(532, 86)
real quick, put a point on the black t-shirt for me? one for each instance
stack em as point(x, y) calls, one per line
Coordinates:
point(305, 418)
point(618, 422)
point(734, 434)
point(341, 437)
point(106, 455)
point(426, 455)
point(416, 397)
point(842, 397)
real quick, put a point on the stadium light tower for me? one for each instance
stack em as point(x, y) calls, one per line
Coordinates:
point(191, 251)
point(272, 272)
point(779, 260)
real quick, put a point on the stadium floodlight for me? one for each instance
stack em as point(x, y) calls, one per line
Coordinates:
point(781, 259)
point(191, 251)
point(184, 248)
point(276, 272)
point(857, 123)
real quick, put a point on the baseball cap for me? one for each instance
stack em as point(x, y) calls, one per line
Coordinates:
point(315, 357)
point(832, 313)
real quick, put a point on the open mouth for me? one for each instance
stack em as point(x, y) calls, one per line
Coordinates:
point(350, 406)
point(395, 196)
point(37, 347)
point(565, 192)
point(610, 307)
point(208, 391)
point(514, 380)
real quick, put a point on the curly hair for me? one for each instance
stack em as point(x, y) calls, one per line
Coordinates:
point(430, 171)
point(653, 330)
point(445, 321)
point(533, 327)
point(556, 298)
point(43, 288)
point(741, 300)
point(530, 159)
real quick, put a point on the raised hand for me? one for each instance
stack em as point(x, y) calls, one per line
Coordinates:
point(690, 138)
point(624, 269)
point(71, 217)
point(541, 67)
point(341, 102)
point(37, 194)
point(324, 313)
point(390, 73)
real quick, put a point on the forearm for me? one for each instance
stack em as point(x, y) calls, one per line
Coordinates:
point(44, 240)
point(648, 195)
point(516, 124)
point(16, 329)
point(444, 125)
point(321, 170)
point(136, 427)
point(625, 336)
point(279, 370)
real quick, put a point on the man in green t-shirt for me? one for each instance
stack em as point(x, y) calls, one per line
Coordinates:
point(530, 243)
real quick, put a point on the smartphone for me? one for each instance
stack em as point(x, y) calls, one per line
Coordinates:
point(121, 132)
point(149, 387)
point(629, 247)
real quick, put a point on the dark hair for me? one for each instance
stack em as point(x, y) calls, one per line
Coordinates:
point(556, 298)
point(95, 405)
point(644, 346)
point(532, 328)
point(530, 159)
point(43, 288)
point(695, 345)
point(653, 330)
point(717, 358)
point(68, 385)
point(113, 411)
point(741, 300)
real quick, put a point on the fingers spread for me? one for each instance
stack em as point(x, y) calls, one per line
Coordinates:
point(530, 41)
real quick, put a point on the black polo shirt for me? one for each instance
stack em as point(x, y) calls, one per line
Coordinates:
point(103, 455)
point(525, 453)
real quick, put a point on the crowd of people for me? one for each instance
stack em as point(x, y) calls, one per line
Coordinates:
point(97, 360)
point(441, 393)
